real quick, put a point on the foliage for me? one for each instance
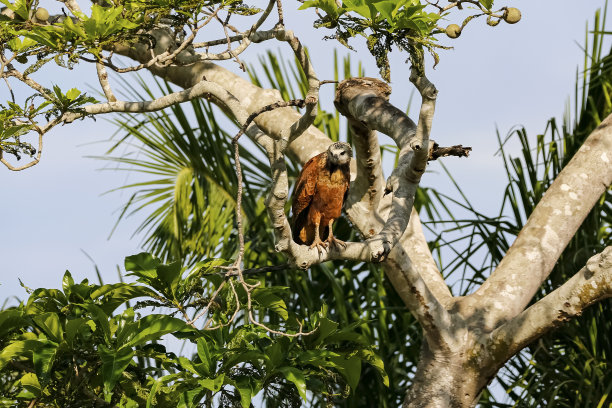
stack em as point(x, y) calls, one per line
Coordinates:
point(86, 343)
point(384, 24)
point(16, 120)
point(408, 25)
point(29, 43)
point(31, 38)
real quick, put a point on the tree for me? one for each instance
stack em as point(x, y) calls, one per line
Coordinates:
point(466, 339)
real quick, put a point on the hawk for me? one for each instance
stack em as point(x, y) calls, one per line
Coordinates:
point(319, 194)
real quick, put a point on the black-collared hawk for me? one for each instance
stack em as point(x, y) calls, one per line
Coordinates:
point(319, 194)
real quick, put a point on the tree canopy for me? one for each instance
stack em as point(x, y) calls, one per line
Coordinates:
point(266, 314)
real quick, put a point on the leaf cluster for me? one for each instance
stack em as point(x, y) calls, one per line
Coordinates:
point(16, 120)
point(85, 344)
point(385, 24)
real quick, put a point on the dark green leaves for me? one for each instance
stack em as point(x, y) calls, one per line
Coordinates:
point(297, 378)
point(153, 327)
point(114, 363)
point(486, 3)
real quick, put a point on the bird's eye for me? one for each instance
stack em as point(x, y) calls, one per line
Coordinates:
point(342, 154)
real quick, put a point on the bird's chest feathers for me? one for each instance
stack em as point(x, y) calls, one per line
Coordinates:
point(329, 196)
point(334, 177)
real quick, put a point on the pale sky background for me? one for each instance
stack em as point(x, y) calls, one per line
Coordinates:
point(493, 78)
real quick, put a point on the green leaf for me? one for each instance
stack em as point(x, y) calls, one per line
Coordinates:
point(171, 276)
point(72, 94)
point(275, 355)
point(100, 318)
point(375, 361)
point(267, 299)
point(15, 349)
point(349, 368)
point(328, 6)
point(205, 355)
point(11, 319)
point(486, 3)
point(114, 295)
point(50, 325)
point(152, 393)
point(43, 357)
point(114, 362)
point(67, 281)
point(246, 394)
point(359, 6)
point(75, 327)
point(213, 384)
point(296, 377)
point(142, 265)
point(152, 327)
point(30, 382)
point(74, 28)
point(386, 8)
point(326, 328)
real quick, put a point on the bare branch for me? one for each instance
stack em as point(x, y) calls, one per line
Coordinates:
point(103, 78)
point(34, 162)
point(367, 189)
point(590, 285)
point(549, 228)
point(366, 100)
point(436, 151)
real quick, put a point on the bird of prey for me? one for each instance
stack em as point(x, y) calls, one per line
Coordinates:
point(319, 195)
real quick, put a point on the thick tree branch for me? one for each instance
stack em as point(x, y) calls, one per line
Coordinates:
point(365, 103)
point(366, 100)
point(421, 260)
point(367, 208)
point(591, 284)
point(367, 189)
point(552, 224)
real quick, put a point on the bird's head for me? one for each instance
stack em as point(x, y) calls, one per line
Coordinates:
point(339, 153)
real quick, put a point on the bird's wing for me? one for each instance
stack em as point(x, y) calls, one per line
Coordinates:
point(306, 186)
point(347, 183)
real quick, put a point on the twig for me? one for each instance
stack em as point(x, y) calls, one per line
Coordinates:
point(279, 7)
point(457, 150)
point(30, 164)
point(300, 103)
point(10, 89)
point(210, 302)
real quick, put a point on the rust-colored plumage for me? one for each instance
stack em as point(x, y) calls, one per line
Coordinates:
point(319, 195)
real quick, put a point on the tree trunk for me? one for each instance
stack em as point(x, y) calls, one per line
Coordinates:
point(446, 379)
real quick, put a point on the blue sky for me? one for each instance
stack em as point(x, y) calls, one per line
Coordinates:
point(494, 78)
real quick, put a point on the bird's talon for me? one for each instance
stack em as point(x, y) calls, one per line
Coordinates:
point(335, 242)
point(320, 245)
